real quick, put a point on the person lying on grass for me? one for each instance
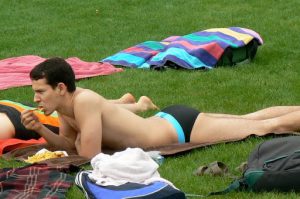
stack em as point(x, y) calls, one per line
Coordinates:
point(10, 112)
point(89, 122)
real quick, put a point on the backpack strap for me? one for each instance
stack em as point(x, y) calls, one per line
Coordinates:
point(235, 185)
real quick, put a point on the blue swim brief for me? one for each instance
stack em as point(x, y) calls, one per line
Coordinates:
point(182, 119)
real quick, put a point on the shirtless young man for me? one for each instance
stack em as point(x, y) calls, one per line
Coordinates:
point(10, 120)
point(89, 122)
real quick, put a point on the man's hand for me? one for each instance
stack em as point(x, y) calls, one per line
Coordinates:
point(31, 121)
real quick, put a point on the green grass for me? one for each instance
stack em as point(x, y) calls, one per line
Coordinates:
point(73, 28)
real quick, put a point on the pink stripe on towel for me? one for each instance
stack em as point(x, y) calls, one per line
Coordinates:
point(14, 71)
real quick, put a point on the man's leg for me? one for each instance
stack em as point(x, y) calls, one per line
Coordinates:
point(128, 102)
point(266, 113)
point(217, 129)
point(271, 112)
point(142, 105)
point(127, 98)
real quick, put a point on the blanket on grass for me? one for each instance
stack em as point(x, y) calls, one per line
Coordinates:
point(34, 181)
point(72, 161)
point(75, 160)
point(193, 51)
point(14, 71)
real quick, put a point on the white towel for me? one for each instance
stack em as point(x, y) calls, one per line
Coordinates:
point(132, 165)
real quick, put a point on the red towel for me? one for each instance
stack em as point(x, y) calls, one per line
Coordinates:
point(14, 71)
point(13, 143)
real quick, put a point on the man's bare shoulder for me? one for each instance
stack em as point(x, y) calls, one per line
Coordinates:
point(83, 95)
point(85, 98)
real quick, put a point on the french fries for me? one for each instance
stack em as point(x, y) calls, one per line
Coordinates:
point(37, 109)
point(44, 156)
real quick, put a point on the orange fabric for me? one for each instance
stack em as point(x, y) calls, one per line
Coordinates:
point(50, 120)
point(13, 143)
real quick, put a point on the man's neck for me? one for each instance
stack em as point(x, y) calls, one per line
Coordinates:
point(67, 106)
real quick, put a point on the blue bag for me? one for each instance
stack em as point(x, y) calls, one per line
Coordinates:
point(155, 190)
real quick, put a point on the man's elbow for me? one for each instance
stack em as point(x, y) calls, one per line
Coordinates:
point(88, 154)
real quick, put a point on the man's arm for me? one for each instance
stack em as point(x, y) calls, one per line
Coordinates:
point(89, 120)
point(31, 121)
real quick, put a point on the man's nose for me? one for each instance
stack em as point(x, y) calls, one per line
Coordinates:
point(36, 98)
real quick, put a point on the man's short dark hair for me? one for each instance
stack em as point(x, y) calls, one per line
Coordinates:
point(55, 70)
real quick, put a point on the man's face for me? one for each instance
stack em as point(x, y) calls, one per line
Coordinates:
point(45, 96)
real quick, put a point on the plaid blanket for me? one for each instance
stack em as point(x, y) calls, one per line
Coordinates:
point(35, 181)
point(196, 50)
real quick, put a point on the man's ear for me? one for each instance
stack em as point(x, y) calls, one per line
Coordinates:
point(61, 88)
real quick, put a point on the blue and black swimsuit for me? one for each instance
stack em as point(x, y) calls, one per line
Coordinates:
point(182, 118)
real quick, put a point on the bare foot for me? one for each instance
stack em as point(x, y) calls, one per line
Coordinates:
point(127, 98)
point(146, 104)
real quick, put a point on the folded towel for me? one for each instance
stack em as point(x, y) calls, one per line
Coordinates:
point(131, 165)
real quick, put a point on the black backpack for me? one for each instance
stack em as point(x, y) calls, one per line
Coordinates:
point(233, 56)
point(273, 165)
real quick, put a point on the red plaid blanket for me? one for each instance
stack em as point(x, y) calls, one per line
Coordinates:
point(34, 181)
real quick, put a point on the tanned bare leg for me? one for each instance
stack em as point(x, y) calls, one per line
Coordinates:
point(208, 128)
point(142, 105)
point(266, 113)
point(127, 98)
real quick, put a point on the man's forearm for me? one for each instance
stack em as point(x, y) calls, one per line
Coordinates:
point(54, 139)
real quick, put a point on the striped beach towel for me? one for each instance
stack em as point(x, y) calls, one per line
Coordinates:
point(193, 51)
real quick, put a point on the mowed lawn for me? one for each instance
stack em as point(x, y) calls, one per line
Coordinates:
point(73, 28)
